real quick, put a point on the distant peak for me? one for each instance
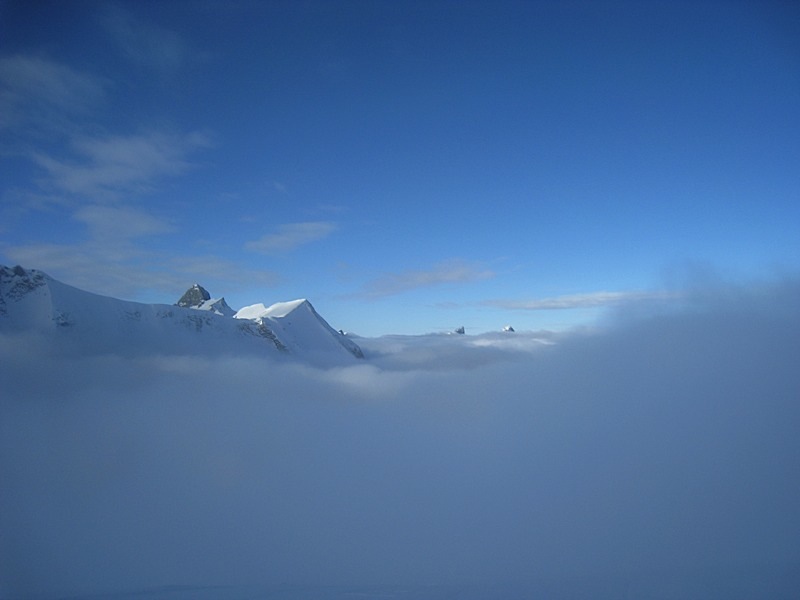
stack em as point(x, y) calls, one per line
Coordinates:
point(194, 296)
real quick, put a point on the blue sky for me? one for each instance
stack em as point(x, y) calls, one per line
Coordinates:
point(408, 167)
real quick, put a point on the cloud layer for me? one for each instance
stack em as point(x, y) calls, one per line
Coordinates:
point(588, 300)
point(656, 459)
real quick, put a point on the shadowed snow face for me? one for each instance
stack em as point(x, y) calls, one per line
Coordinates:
point(661, 449)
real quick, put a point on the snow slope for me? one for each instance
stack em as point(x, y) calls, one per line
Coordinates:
point(300, 326)
point(71, 320)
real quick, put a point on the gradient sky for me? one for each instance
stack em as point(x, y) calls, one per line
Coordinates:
point(407, 166)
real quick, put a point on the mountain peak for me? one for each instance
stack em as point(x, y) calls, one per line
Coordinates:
point(197, 297)
point(194, 297)
point(16, 282)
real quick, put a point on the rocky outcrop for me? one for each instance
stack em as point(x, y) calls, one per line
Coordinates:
point(194, 297)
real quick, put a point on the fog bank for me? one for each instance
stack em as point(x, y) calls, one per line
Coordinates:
point(657, 458)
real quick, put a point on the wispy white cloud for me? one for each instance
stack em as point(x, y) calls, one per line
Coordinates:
point(102, 166)
point(290, 236)
point(588, 300)
point(117, 259)
point(128, 270)
point(100, 268)
point(143, 43)
point(446, 272)
point(109, 260)
point(44, 93)
point(50, 106)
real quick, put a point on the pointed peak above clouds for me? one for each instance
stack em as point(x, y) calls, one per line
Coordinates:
point(197, 297)
point(194, 296)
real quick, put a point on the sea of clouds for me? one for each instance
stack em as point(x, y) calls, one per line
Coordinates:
point(657, 456)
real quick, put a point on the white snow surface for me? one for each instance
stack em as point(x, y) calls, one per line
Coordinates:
point(217, 306)
point(277, 310)
point(79, 322)
point(299, 325)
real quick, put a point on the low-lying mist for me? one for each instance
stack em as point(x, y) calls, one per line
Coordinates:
point(658, 457)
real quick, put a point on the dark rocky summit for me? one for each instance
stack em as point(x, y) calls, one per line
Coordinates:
point(194, 297)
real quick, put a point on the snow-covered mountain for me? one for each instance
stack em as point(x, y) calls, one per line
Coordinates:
point(300, 327)
point(198, 297)
point(71, 320)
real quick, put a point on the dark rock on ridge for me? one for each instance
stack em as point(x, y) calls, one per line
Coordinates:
point(194, 297)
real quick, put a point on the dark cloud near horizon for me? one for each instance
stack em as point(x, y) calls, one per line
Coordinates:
point(659, 458)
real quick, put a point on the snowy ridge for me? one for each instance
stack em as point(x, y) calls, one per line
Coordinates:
point(79, 322)
point(198, 297)
point(218, 306)
point(301, 326)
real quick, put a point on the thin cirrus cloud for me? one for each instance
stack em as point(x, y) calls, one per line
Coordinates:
point(114, 257)
point(44, 97)
point(45, 93)
point(123, 269)
point(110, 259)
point(143, 43)
point(289, 236)
point(102, 166)
point(446, 272)
point(588, 300)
